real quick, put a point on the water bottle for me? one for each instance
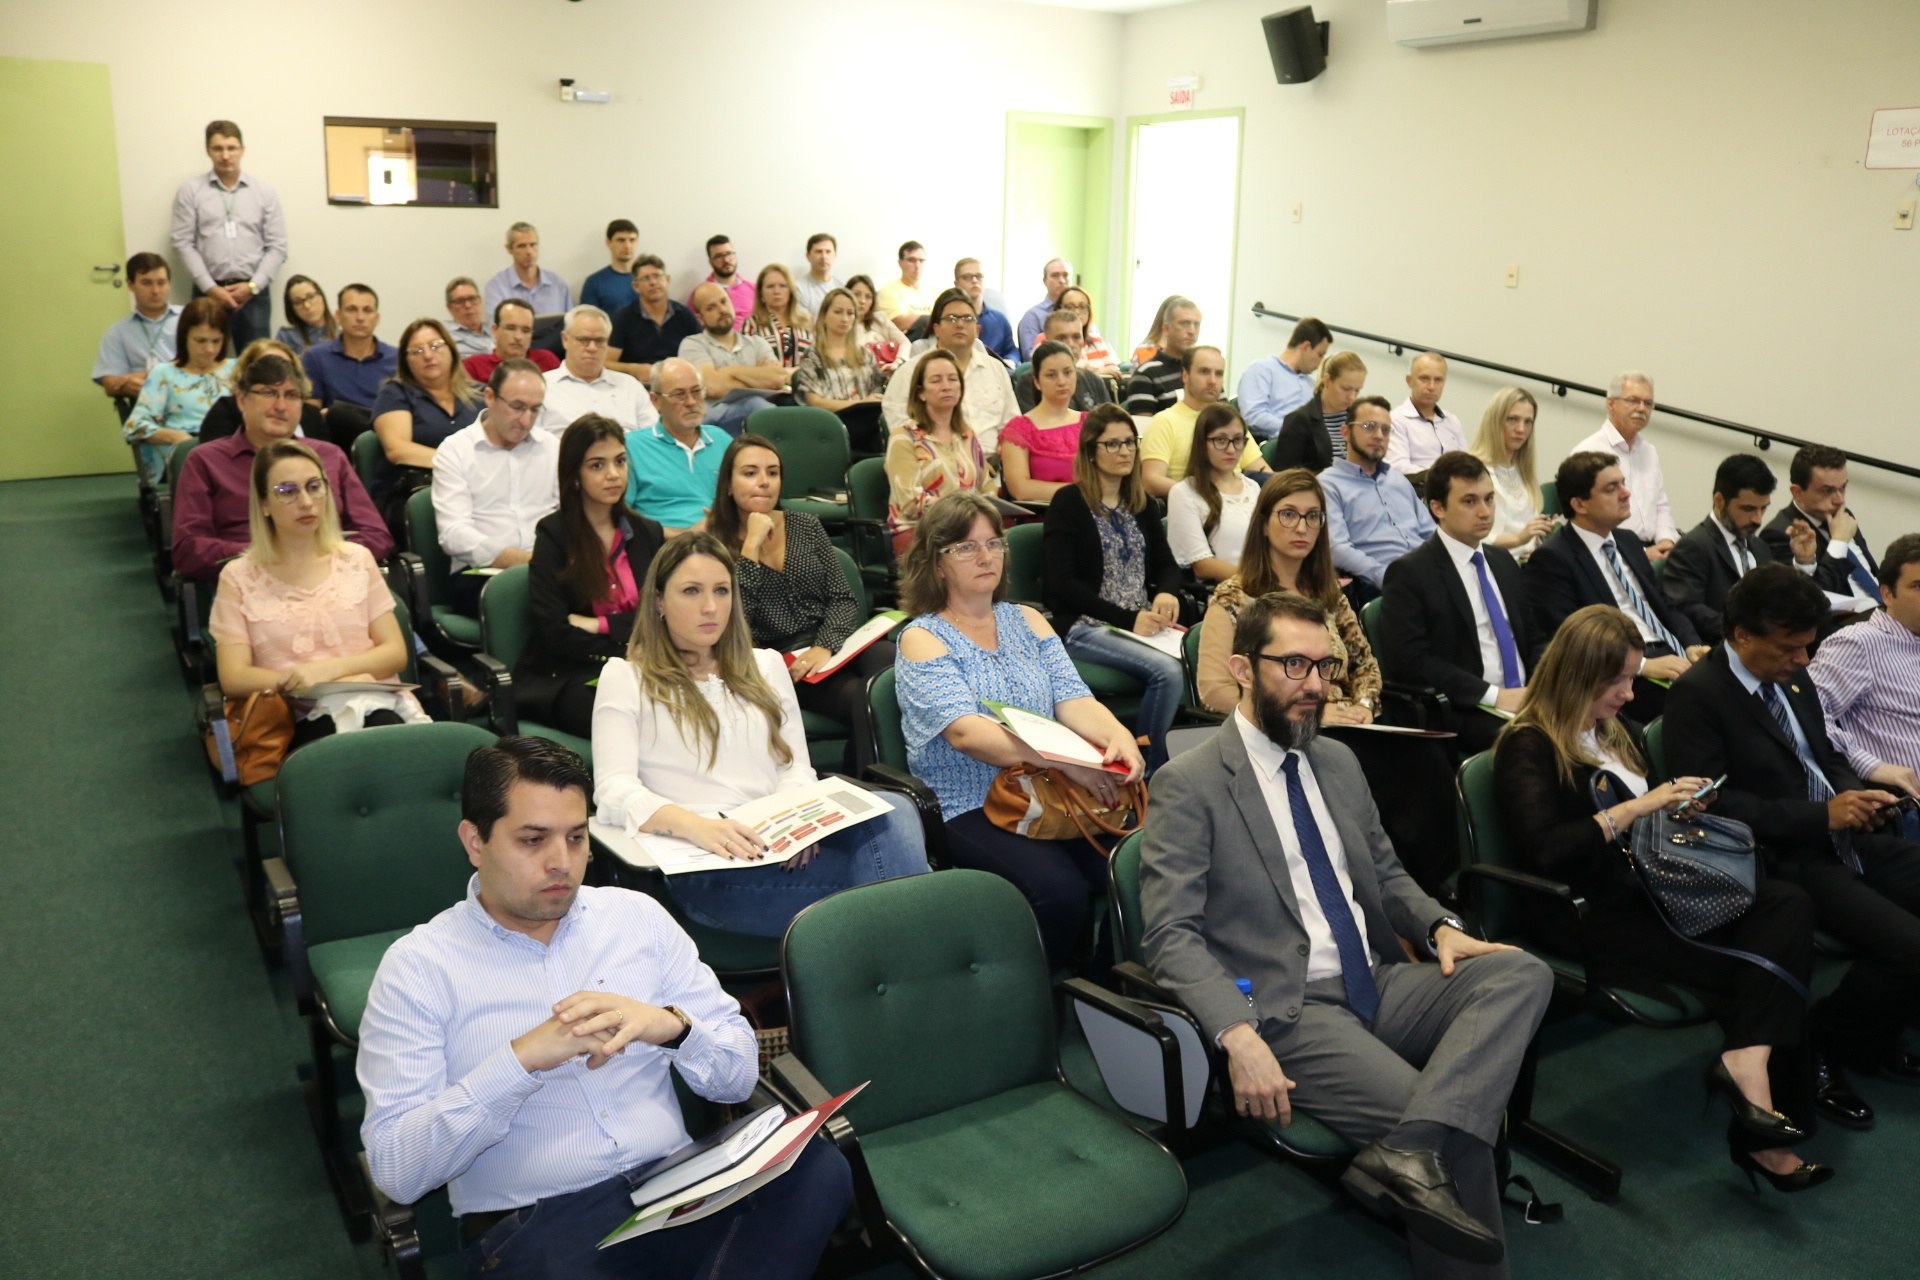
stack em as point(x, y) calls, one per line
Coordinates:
point(1246, 989)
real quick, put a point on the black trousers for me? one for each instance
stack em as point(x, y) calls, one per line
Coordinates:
point(1878, 914)
point(1626, 941)
point(1056, 876)
point(843, 695)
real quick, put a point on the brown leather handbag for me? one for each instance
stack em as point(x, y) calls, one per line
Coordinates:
point(1044, 804)
point(248, 741)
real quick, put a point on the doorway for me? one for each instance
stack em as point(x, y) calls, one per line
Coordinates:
point(1059, 205)
point(1183, 218)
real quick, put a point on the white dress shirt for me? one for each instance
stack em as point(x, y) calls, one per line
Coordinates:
point(487, 499)
point(1593, 542)
point(1416, 443)
point(986, 401)
point(613, 394)
point(1652, 518)
point(642, 759)
point(1323, 953)
point(1490, 663)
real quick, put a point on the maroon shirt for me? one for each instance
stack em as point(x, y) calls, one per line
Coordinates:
point(210, 505)
point(480, 368)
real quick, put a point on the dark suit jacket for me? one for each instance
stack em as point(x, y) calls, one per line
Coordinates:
point(1217, 900)
point(1832, 575)
point(1071, 568)
point(1714, 726)
point(1303, 440)
point(1700, 571)
point(1562, 577)
point(559, 651)
point(1426, 621)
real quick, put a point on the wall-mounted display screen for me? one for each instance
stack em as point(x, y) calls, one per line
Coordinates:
point(437, 163)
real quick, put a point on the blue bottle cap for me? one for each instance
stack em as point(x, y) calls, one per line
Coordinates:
point(1245, 985)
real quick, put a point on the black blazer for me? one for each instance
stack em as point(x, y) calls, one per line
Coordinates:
point(1303, 439)
point(1832, 575)
point(1426, 622)
point(1550, 824)
point(1071, 568)
point(1562, 577)
point(1714, 726)
point(558, 651)
point(1700, 571)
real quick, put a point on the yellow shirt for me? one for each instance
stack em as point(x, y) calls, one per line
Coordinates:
point(900, 298)
point(1169, 438)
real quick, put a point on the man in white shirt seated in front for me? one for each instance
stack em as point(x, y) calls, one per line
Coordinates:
point(1422, 430)
point(493, 481)
point(541, 1114)
point(1629, 410)
point(583, 384)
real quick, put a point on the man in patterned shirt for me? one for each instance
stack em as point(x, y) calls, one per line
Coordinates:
point(1868, 675)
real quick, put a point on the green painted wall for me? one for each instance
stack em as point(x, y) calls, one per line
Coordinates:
point(1059, 198)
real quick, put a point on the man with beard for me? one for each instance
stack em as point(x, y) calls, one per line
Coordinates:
point(1718, 552)
point(1336, 1017)
point(738, 370)
point(543, 1114)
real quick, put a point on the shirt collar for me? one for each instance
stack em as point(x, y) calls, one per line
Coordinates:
point(479, 914)
point(1748, 681)
point(1462, 553)
point(214, 179)
point(1264, 753)
point(1348, 467)
point(1413, 410)
point(173, 309)
point(1593, 540)
point(1614, 440)
point(568, 375)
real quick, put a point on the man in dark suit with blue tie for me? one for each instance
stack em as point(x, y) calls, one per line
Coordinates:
point(1454, 613)
point(1750, 712)
point(1584, 563)
point(1844, 565)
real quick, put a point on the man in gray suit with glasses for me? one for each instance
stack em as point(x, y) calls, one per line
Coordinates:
point(1265, 860)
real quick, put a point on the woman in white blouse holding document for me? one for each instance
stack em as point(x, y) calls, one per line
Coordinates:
point(693, 722)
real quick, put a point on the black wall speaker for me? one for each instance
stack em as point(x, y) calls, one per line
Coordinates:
point(1296, 43)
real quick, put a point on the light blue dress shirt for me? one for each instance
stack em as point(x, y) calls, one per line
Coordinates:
point(551, 297)
point(1270, 390)
point(135, 344)
point(1372, 520)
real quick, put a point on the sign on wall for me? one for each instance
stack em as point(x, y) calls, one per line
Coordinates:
point(1180, 91)
point(1893, 139)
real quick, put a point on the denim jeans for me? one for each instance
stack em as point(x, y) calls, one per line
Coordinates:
point(1164, 677)
point(731, 415)
point(762, 900)
point(779, 1231)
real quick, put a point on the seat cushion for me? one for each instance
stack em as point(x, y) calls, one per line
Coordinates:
point(1107, 682)
point(458, 626)
point(1308, 1137)
point(579, 746)
point(343, 975)
point(1029, 1182)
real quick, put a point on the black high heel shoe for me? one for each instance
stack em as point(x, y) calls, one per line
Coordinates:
point(1757, 1121)
point(1805, 1178)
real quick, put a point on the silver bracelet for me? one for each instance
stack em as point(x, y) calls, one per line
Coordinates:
point(1613, 832)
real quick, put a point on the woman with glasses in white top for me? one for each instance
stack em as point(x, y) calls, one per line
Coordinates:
point(1209, 508)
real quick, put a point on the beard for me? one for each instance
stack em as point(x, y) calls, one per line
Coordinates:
point(1278, 722)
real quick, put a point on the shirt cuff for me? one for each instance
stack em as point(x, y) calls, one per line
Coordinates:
point(1836, 548)
point(1493, 696)
point(1807, 568)
point(500, 1083)
point(1220, 1038)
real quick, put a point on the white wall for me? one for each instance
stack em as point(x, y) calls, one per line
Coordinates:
point(763, 120)
point(1682, 189)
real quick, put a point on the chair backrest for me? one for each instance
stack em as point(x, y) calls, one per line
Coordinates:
point(409, 674)
point(1190, 655)
point(1657, 749)
point(934, 987)
point(1025, 573)
point(1123, 896)
point(366, 458)
point(855, 583)
point(1483, 839)
point(177, 460)
point(1370, 624)
point(368, 824)
point(867, 489)
point(813, 447)
point(1550, 497)
point(423, 538)
point(506, 616)
point(883, 712)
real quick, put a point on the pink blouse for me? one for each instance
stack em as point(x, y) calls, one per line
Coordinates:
point(286, 625)
point(1049, 451)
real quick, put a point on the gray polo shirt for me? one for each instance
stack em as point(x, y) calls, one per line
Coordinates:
point(748, 349)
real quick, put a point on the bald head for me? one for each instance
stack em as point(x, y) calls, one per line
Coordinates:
point(714, 307)
point(679, 397)
point(1426, 380)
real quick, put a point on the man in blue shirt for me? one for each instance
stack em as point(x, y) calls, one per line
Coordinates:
point(1272, 388)
point(673, 465)
point(1056, 275)
point(996, 331)
point(526, 279)
point(137, 342)
point(350, 369)
point(542, 1115)
point(611, 287)
point(1373, 515)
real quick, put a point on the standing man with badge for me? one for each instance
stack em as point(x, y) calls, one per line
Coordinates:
point(232, 235)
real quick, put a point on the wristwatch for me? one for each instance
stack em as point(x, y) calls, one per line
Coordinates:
point(686, 1025)
point(1434, 929)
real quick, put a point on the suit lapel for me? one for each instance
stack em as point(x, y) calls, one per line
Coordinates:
point(1756, 708)
point(1243, 783)
point(1450, 583)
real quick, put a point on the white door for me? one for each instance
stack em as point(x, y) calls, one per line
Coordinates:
point(1186, 198)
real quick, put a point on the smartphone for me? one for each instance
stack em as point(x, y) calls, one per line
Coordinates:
point(1701, 794)
point(1905, 804)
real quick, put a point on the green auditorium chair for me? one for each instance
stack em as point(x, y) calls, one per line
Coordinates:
point(868, 497)
point(366, 454)
point(814, 455)
point(428, 569)
point(1118, 692)
point(1415, 706)
point(506, 628)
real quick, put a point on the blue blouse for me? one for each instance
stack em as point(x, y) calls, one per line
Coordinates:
point(1025, 671)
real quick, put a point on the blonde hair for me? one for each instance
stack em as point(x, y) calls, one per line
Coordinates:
point(796, 316)
point(1490, 445)
point(1337, 366)
point(1585, 656)
point(458, 383)
point(263, 538)
point(663, 673)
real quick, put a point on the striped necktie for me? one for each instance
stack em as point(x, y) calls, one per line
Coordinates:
point(1819, 790)
point(1638, 602)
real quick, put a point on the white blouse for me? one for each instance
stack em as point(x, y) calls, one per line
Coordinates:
point(642, 761)
point(1187, 518)
point(1513, 507)
point(1590, 743)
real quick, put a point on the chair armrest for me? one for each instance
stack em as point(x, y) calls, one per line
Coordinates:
point(442, 685)
point(792, 1079)
point(498, 680)
point(394, 1228)
point(1138, 1056)
point(1538, 885)
point(884, 777)
point(1562, 912)
point(1133, 976)
point(1427, 705)
point(284, 898)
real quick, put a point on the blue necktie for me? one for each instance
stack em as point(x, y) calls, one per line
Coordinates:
point(1819, 790)
point(1638, 601)
point(1861, 578)
point(1357, 972)
point(1502, 633)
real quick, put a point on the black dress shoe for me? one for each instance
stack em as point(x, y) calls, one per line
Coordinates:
point(1415, 1189)
point(1902, 1066)
point(1834, 1097)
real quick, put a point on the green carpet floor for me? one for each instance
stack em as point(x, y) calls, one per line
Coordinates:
point(153, 1123)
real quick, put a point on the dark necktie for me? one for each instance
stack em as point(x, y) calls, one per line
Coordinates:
point(1819, 790)
point(1861, 578)
point(1742, 558)
point(1363, 997)
point(1641, 609)
point(1502, 632)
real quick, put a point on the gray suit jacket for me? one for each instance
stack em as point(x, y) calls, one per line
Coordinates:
point(1217, 900)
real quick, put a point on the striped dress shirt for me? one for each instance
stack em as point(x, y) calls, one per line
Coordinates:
point(447, 1100)
point(1868, 675)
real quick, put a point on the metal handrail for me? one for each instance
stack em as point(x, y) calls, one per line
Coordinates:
point(1561, 386)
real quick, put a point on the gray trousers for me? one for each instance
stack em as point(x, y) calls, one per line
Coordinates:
point(1440, 1049)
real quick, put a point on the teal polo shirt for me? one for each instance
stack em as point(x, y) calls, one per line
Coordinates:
point(669, 482)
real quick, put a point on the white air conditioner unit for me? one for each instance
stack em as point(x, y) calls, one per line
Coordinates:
point(1425, 22)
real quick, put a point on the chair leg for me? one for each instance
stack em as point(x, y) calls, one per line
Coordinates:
point(1592, 1173)
point(323, 1108)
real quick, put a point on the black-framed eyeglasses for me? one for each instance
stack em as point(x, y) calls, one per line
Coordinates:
point(1296, 665)
point(1293, 518)
point(958, 317)
point(1120, 445)
point(1235, 443)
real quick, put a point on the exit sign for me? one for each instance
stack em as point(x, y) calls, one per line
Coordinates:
point(1180, 92)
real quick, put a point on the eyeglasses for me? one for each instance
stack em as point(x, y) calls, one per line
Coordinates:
point(286, 395)
point(968, 277)
point(1635, 402)
point(302, 299)
point(575, 339)
point(1235, 443)
point(1292, 519)
point(431, 348)
point(1122, 445)
point(463, 300)
point(1295, 666)
point(289, 492)
point(956, 318)
point(686, 395)
point(969, 551)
